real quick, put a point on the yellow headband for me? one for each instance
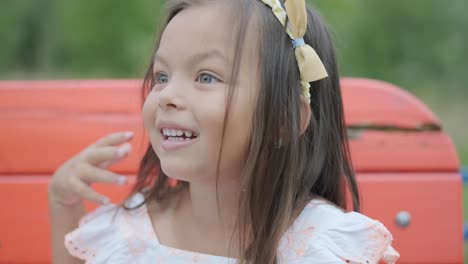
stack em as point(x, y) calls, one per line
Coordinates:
point(310, 66)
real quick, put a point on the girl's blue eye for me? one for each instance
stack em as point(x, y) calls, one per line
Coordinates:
point(207, 78)
point(161, 78)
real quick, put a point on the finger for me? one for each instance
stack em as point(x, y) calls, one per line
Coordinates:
point(91, 174)
point(88, 193)
point(122, 153)
point(99, 155)
point(114, 139)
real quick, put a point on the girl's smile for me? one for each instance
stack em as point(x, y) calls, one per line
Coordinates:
point(175, 136)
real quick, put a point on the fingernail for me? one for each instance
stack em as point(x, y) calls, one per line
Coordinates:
point(105, 164)
point(128, 134)
point(123, 150)
point(105, 200)
point(121, 180)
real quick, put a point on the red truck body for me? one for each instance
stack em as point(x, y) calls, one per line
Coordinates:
point(406, 165)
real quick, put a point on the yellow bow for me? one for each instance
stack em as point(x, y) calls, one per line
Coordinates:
point(310, 66)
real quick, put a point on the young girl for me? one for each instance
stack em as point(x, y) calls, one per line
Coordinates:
point(248, 160)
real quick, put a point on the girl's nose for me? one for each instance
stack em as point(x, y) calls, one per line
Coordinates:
point(169, 97)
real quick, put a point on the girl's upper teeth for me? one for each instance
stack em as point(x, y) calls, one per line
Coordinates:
point(176, 132)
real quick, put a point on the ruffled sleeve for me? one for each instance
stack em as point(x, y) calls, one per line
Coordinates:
point(97, 238)
point(357, 239)
point(339, 237)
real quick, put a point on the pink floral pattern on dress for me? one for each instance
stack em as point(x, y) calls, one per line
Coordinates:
point(295, 241)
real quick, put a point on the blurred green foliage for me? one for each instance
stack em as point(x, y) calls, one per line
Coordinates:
point(76, 39)
point(414, 43)
point(408, 42)
point(418, 44)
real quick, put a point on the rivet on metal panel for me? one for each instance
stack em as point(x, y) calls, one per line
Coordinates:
point(403, 219)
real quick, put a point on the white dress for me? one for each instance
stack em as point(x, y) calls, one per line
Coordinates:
point(321, 234)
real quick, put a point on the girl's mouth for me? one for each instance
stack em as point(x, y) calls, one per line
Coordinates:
point(177, 134)
point(175, 138)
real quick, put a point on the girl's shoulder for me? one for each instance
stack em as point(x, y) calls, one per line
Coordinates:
point(110, 231)
point(112, 234)
point(326, 233)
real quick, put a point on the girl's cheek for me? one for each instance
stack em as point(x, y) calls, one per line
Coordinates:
point(149, 112)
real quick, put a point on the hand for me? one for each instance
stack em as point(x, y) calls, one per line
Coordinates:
point(71, 182)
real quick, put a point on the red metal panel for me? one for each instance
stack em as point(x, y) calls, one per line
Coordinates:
point(44, 122)
point(71, 96)
point(401, 151)
point(434, 201)
point(40, 142)
point(372, 102)
point(406, 167)
point(25, 217)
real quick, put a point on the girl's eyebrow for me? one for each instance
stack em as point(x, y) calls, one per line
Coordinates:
point(208, 55)
point(161, 59)
point(197, 58)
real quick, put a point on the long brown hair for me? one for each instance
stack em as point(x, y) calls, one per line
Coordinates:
point(278, 177)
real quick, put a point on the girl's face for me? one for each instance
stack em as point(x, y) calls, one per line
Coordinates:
point(184, 112)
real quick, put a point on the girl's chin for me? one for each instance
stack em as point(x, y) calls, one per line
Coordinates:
point(178, 171)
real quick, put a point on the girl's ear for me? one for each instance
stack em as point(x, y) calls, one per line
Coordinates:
point(306, 113)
